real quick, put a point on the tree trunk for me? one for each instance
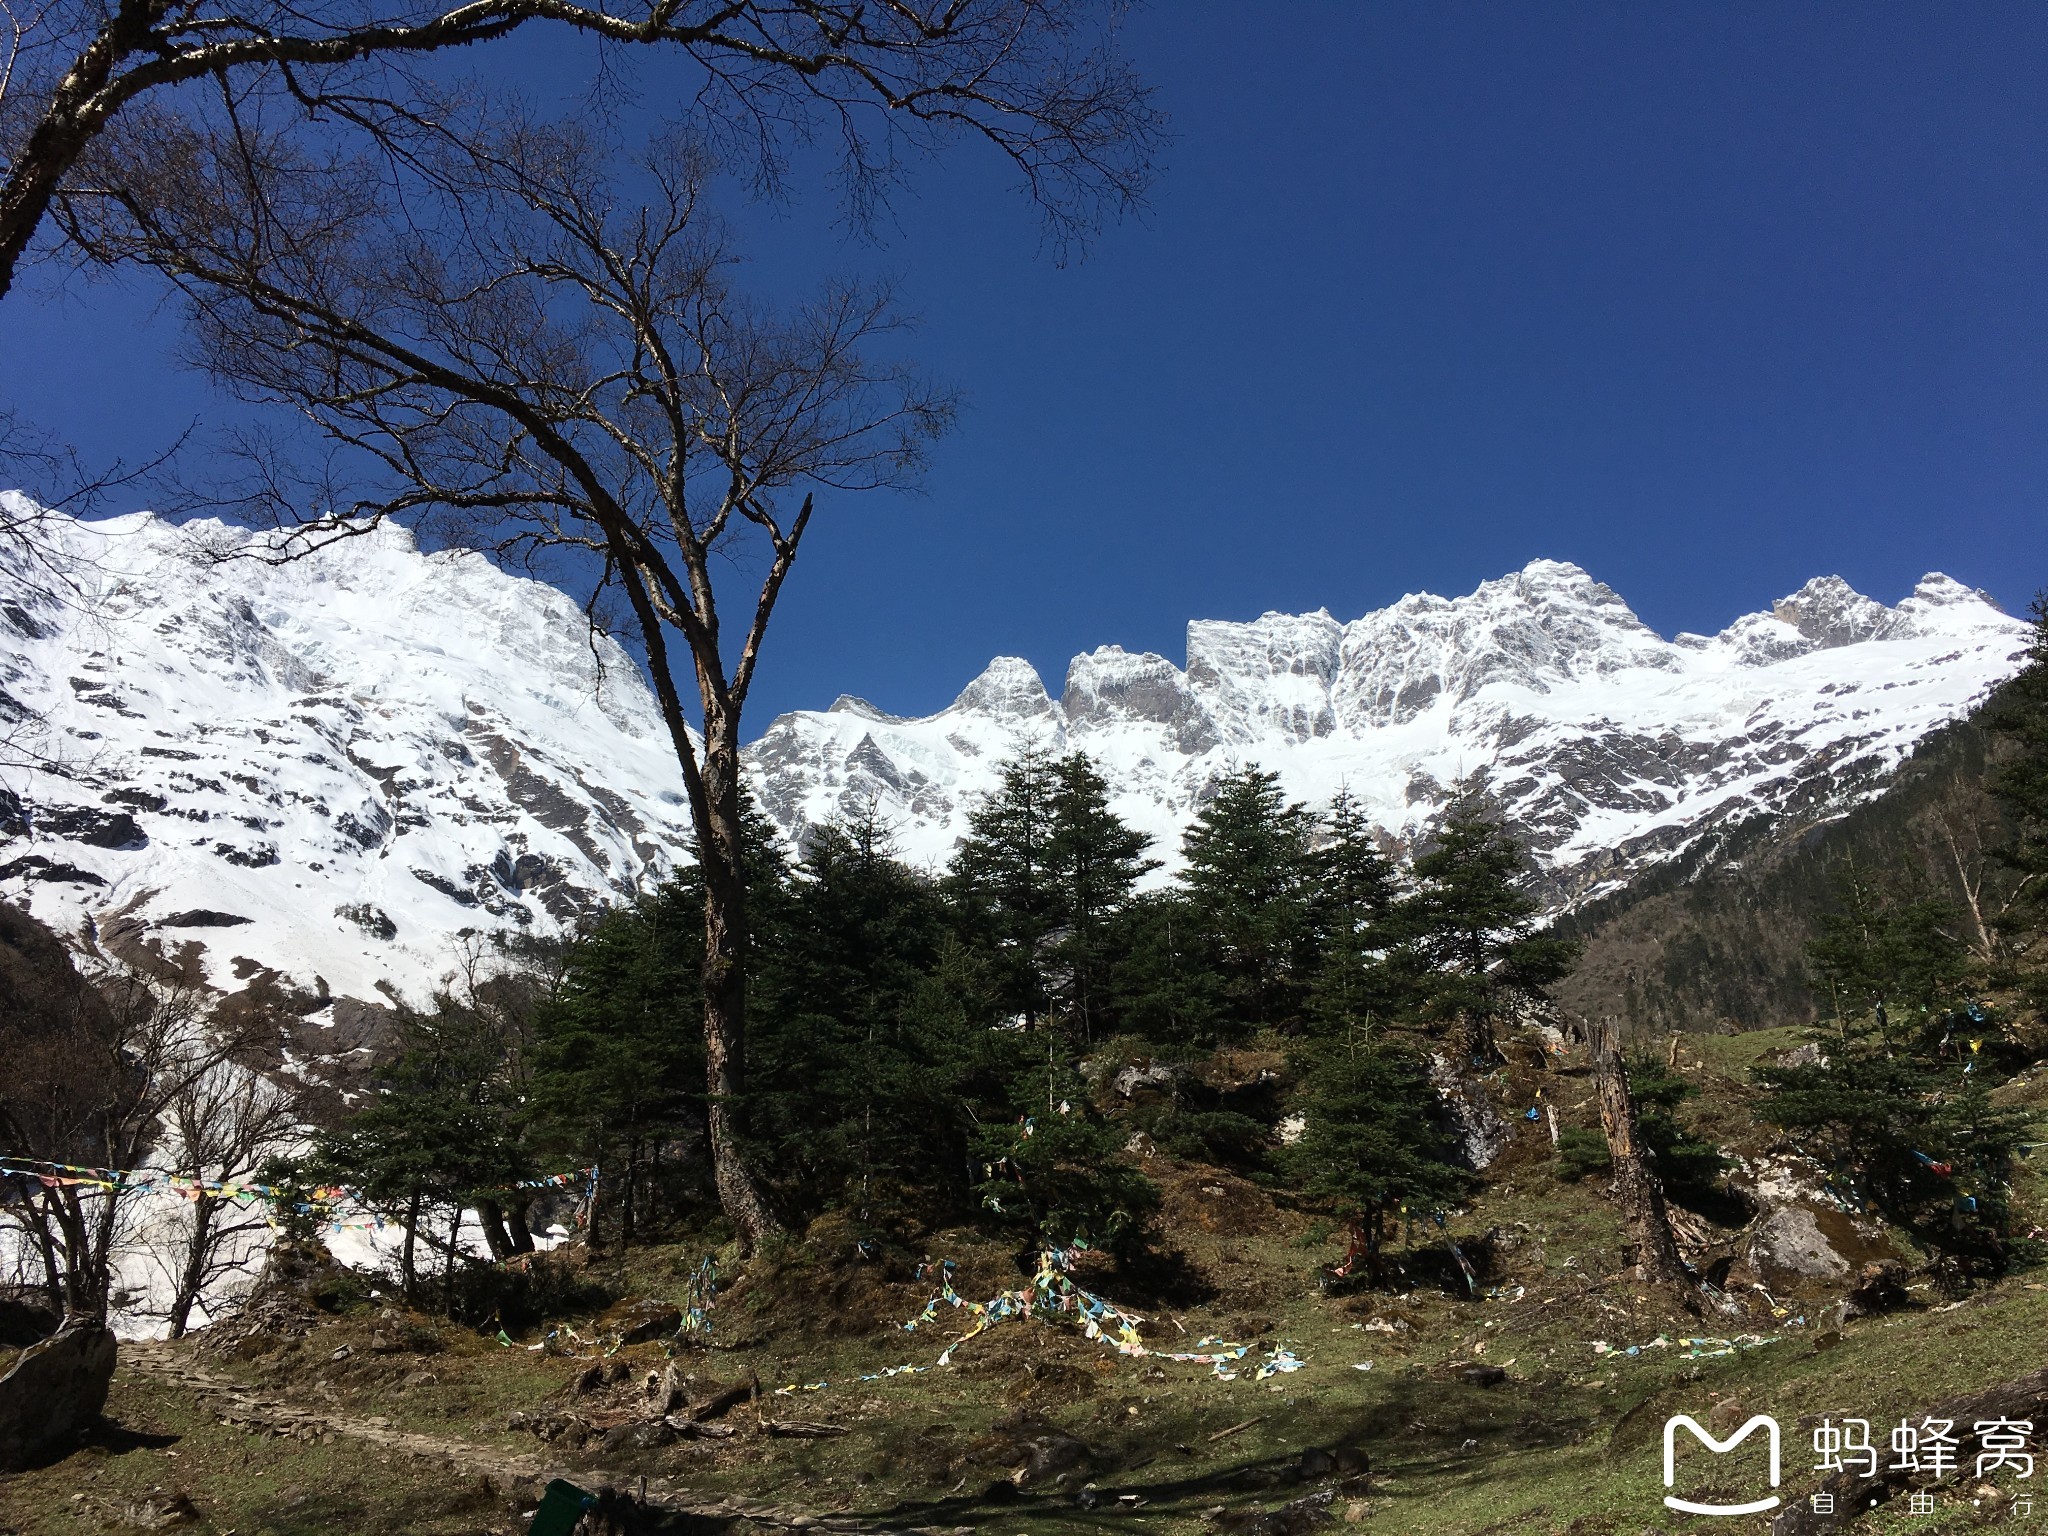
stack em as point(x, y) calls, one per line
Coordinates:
point(1477, 1029)
point(197, 1250)
point(491, 1217)
point(517, 1226)
point(408, 1276)
point(79, 108)
point(725, 996)
point(1635, 1184)
point(454, 1256)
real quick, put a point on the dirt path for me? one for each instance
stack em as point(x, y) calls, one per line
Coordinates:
point(511, 1471)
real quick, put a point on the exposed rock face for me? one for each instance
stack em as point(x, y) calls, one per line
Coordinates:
point(1472, 1122)
point(56, 1388)
point(1799, 1236)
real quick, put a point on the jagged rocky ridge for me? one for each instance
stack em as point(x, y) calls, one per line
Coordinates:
point(311, 780)
point(1608, 747)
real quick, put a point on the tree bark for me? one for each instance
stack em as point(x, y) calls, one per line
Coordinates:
point(408, 1275)
point(725, 996)
point(1635, 1183)
point(517, 1226)
point(491, 1217)
point(1480, 1046)
point(79, 109)
point(197, 1250)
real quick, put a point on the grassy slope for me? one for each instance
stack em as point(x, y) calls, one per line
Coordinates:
point(1569, 1443)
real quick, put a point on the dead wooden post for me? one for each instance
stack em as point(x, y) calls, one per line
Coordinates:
point(1635, 1184)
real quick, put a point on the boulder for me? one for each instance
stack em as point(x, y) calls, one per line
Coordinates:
point(56, 1388)
point(25, 1320)
point(1151, 1083)
point(1801, 1237)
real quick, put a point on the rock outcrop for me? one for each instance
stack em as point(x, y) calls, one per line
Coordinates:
point(55, 1389)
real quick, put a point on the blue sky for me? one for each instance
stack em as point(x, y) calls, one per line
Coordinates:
point(1707, 299)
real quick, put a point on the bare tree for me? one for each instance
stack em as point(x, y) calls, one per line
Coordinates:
point(93, 1072)
point(543, 349)
point(1037, 79)
point(223, 1121)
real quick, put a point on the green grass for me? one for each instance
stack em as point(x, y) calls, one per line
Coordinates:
point(1569, 1444)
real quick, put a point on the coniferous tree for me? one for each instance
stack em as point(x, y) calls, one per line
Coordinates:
point(1897, 1102)
point(1250, 887)
point(1372, 1137)
point(1041, 877)
point(1003, 881)
point(1163, 981)
point(856, 1075)
point(1353, 909)
point(441, 1131)
point(1470, 932)
point(1893, 961)
point(615, 1068)
point(1096, 862)
point(2018, 721)
point(1053, 1172)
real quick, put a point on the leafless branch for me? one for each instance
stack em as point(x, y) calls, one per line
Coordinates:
point(1038, 80)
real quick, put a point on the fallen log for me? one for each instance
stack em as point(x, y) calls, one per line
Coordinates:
point(802, 1429)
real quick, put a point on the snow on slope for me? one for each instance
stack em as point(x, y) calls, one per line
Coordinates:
point(327, 769)
point(318, 775)
point(1609, 746)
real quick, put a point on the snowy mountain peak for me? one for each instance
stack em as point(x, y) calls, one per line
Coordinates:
point(323, 770)
point(1268, 678)
point(314, 778)
point(1609, 746)
point(1009, 688)
point(1828, 611)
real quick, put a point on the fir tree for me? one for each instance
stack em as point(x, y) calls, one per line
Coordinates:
point(2018, 721)
point(1353, 910)
point(1042, 875)
point(440, 1132)
point(1470, 932)
point(1096, 861)
point(1250, 886)
point(1893, 960)
point(616, 1067)
point(855, 1077)
point(1898, 1102)
point(1054, 1173)
point(1163, 980)
point(1372, 1139)
point(1003, 880)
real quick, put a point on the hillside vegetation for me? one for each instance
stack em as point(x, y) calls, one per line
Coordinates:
point(1297, 1192)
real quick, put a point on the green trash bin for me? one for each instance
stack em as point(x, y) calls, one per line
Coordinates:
point(560, 1508)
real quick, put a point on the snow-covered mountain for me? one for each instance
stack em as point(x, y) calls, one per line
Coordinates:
point(314, 776)
point(1608, 747)
point(309, 780)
